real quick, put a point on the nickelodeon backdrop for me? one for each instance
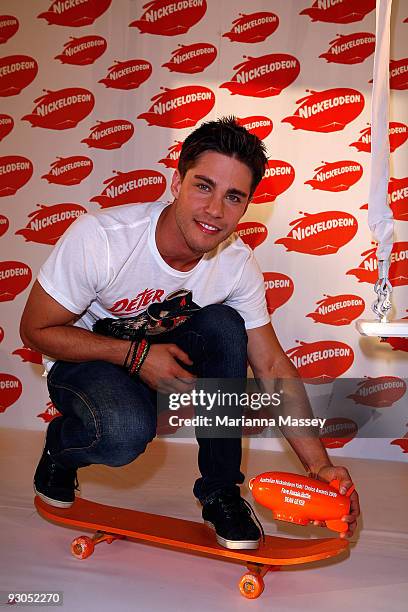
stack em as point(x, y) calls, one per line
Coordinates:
point(97, 97)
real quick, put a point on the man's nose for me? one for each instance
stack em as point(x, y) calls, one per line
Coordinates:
point(215, 206)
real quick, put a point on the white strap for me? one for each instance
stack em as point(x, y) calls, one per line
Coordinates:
point(380, 218)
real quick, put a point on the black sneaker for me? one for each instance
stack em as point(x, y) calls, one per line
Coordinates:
point(54, 483)
point(231, 517)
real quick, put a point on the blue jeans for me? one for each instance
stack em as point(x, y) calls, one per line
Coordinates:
point(109, 417)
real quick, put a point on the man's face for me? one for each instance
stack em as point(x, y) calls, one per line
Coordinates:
point(210, 200)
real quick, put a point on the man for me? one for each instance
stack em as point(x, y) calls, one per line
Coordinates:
point(124, 261)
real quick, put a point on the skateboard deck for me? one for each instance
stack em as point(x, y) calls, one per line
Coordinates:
point(113, 523)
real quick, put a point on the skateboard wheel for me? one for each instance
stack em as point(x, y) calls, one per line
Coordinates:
point(82, 547)
point(251, 586)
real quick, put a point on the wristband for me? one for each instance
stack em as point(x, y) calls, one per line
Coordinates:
point(136, 357)
point(125, 364)
point(143, 355)
point(139, 355)
point(134, 347)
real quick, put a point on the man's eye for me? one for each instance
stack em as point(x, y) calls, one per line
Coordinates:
point(202, 186)
point(234, 198)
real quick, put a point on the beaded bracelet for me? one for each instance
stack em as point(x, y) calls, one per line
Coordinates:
point(136, 358)
point(139, 355)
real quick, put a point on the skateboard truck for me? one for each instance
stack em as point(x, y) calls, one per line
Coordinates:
point(83, 546)
point(252, 584)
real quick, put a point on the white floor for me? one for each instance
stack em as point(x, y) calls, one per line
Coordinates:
point(127, 576)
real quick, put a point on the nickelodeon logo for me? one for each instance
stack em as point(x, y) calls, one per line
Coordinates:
point(48, 224)
point(44, 109)
point(75, 12)
point(144, 181)
point(339, 11)
point(169, 17)
point(134, 186)
point(320, 234)
point(154, 15)
point(258, 125)
point(338, 310)
point(279, 289)
point(69, 170)
point(322, 355)
point(279, 176)
point(179, 108)
point(323, 361)
point(252, 233)
point(169, 105)
point(380, 392)
point(264, 76)
point(319, 107)
point(327, 111)
point(192, 59)
point(252, 28)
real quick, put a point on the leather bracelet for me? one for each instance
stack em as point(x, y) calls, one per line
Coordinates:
point(125, 363)
point(138, 357)
point(143, 356)
point(135, 349)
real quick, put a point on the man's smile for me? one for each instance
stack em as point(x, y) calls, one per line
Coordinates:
point(207, 229)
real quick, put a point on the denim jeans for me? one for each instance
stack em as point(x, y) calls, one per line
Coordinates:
point(109, 417)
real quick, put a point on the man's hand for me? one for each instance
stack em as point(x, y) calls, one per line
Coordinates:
point(161, 371)
point(327, 474)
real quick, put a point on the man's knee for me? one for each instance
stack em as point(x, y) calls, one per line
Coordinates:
point(122, 447)
point(220, 320)
point(125, 427)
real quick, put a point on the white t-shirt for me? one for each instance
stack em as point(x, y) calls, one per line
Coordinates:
point(107, 265)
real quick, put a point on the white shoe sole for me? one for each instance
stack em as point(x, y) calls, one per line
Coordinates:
point(53, 502)
point(234, 544)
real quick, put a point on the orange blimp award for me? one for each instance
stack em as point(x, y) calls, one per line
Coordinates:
point(300, 499)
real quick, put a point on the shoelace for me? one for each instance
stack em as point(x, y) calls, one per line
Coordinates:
point(234, 505)
point(56, 477)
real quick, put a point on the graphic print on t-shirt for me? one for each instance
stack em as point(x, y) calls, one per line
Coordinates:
point(132, 305)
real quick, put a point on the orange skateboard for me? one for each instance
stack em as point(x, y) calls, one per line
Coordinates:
point(112, 523)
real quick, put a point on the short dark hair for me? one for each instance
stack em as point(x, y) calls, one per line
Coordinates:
point(225, 136)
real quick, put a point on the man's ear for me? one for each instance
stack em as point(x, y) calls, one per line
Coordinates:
point(176, 184)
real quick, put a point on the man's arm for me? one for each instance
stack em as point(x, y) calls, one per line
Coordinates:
point(275, 372)
point(47, 326)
